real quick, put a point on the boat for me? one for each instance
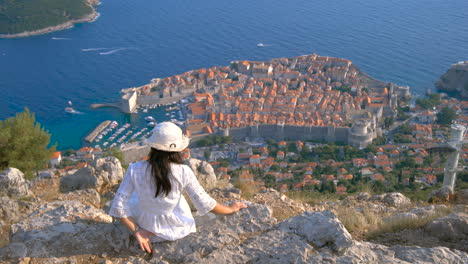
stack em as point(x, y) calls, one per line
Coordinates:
point(70, 103)
point(149, 119)
point(71, 110)
point(151, 124)
point(145, 110)
point(260, 44)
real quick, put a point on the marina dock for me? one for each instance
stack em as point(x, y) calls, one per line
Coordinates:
point(90, 138)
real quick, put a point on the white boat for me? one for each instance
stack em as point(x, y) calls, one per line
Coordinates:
point(151, 124)
point(145, 110)
point(71, 110)
point(149, 119)
point(260, 44)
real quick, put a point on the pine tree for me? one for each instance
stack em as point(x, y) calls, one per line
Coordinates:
point(24, 143)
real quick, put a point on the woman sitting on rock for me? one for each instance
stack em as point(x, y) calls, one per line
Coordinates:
point(149, 201)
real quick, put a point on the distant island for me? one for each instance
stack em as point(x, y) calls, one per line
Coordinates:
point(28, 18)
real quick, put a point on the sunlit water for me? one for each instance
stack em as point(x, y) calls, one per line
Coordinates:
point(409, 42)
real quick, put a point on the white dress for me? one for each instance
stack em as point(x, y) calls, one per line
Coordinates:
point(168, 217)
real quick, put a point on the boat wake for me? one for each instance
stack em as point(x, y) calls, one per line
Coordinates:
point(112, 51)
point(70, 110)
point(54, 38)
point(93, 49)
point(263, 45)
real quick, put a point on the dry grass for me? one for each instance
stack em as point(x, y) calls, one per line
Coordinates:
point(313, 198)
point(248, 189)
point(357, 223)
point(394, 225)
point(47, 190)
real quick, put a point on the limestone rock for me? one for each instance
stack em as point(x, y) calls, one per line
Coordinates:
point(283, 207)
point(415, 213)
point(46, 174)
point(363, 196)
point(320, 229)
point(84, 178)
point(215, 232)
point(444, 194)
point(396, 200)
point(204, 172)
point(451, 227)
point(455, 79)
point(271, 247)
point(421, 255)
point(9, 209)
point(462, 196)
point(105, 171)
point(13, 184)
point(65, 228)
point(109, 169)
point(87, 197)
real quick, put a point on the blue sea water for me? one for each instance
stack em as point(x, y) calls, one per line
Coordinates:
point(409, 42)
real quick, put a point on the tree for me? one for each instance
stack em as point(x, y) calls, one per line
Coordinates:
point(117, 153)
point(207, 155)
point(24, 143)
point(446, 116)
point(388, 121)
point(426, 103)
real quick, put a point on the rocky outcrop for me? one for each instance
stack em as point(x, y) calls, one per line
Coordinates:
point(46, 174)
point(104, 172)
point(87, 197)
point(418, 212)
point(320, 229)
point(109, 169)
point(462, 196)
point(62, 231)
point(444, 194)
point(62, 228)
point(392, 199)
point(84, 178)
point(9, 210)
point(204, 172)
point(13, 184)
point(453, 227)
point(429, 255)
point(455, 79)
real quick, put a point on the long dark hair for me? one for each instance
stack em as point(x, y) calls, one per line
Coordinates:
point(160, 162)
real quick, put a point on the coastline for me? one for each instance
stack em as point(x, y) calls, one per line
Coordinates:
point(69, 24)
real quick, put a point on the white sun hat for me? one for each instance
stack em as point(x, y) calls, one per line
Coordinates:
point(167, 136)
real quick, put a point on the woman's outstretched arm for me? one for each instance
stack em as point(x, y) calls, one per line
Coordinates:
point(222, 209)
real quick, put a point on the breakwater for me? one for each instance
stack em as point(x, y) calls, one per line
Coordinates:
point(97, 130)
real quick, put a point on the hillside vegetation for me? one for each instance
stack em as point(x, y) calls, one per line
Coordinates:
point(18, 16)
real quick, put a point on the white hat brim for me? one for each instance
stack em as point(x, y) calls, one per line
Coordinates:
point(173, 147)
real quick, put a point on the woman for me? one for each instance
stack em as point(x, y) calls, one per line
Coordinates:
point(149, 201)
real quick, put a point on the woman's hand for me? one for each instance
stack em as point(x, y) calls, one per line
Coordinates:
point(143, 236)
point(236, 206)
point(225, 210)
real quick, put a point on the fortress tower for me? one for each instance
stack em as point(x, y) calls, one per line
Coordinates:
point(360, 134)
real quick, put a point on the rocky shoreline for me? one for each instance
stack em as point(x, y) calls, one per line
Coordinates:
point(88, 18)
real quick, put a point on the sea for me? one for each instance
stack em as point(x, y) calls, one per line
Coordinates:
point(408, 42)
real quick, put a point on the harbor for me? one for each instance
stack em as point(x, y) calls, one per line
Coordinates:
point(136, 126)
point(92, 136)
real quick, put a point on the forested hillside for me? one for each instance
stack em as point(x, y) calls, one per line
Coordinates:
point(18, 16)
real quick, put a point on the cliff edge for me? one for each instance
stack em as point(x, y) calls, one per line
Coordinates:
point(455, 79)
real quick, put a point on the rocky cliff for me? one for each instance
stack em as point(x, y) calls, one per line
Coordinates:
point(68, 225)
point(455, 79)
